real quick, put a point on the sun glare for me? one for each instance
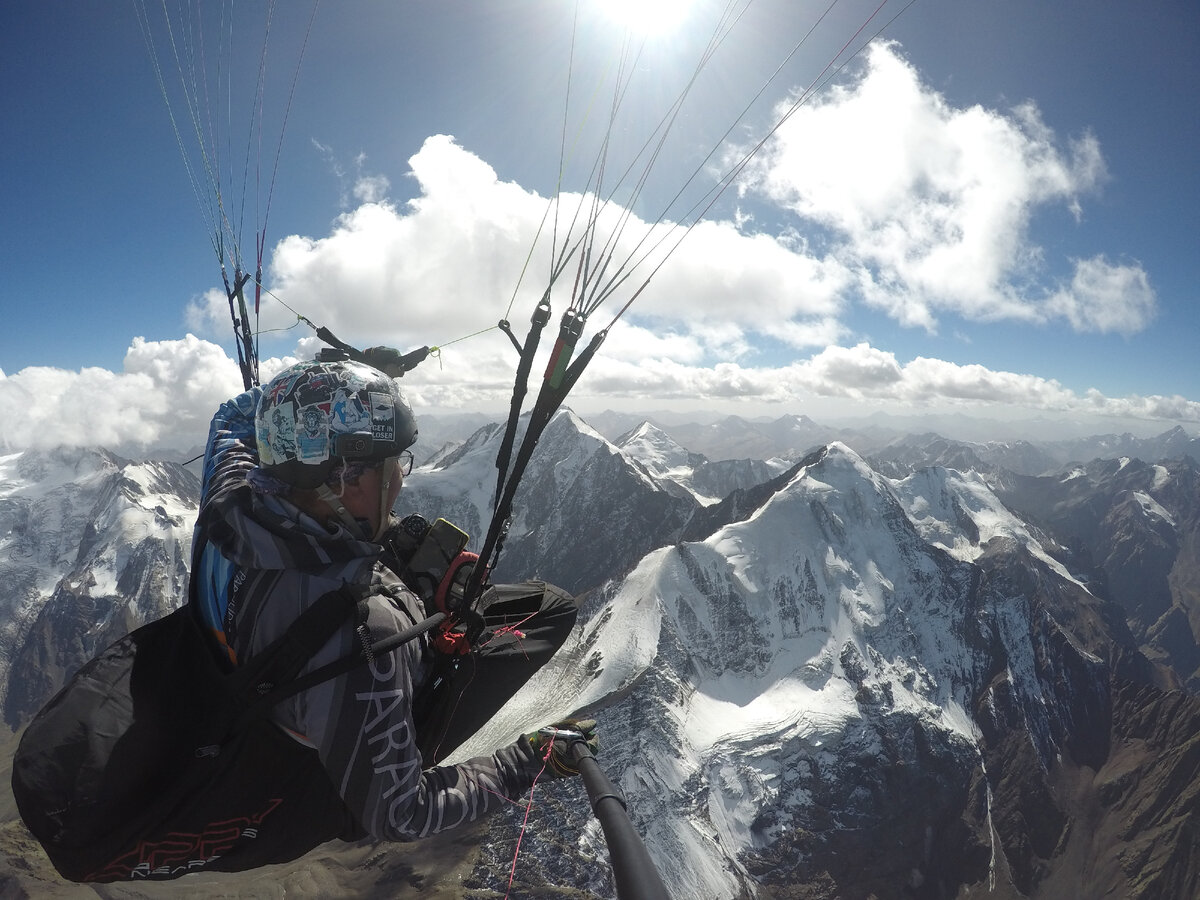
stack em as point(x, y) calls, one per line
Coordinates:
point(647, 17)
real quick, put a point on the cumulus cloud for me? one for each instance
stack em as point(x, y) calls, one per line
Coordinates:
point(867, 374)
point(442, 266)
point(755, 281)
point(464, 242)
point(168, 390)
point(451, 262)
point(208, 313)
point(1104, 296)
point(164, 396)
point(920, 209)
point(930, 205)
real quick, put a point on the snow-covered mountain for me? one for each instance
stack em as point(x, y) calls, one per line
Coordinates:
point(835, 682)
point(1172, 444)
point(870, 688)
point(676, 469)
point(664, 460)
point(90, 545)
point(580, 491)
point(737, 438)
point(903, 455)
point(441, 434)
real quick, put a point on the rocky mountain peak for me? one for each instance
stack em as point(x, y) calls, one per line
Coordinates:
point(93, 544)
point(865, 686)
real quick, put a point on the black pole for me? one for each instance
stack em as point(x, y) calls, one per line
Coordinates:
point(633, 869)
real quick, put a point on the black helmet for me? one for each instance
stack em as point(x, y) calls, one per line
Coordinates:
point(315, 414)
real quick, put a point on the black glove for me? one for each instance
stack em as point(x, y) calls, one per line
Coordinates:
point(391, 361)
point(553, 744)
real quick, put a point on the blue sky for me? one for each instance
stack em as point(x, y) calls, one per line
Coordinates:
point(996, 210)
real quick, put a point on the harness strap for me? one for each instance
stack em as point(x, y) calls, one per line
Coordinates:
point(279, 691)
point(288, 654)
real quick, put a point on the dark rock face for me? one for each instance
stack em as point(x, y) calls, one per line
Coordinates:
point(885, 824)
point(1131, 530)
point(606, 507)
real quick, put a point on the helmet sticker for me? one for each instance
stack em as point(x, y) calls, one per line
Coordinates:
point(348, 412)
point(383, 417)
point(282, 385)
point(317, 385)
point(280, 438)
point(312, 443)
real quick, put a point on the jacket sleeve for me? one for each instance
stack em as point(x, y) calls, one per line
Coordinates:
point(362, 727)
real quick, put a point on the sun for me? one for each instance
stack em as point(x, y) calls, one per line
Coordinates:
point(647, 17)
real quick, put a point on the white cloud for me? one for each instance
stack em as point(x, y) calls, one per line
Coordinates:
point(354, 183)
point(168, 390)
point(634, 343)
point(371, 189)
point(463, 242)
point(931, 205)
point(721, 274)
point(165, 396)
point(444, 266)
point(447, 263)
point(867, 374)
point(208, 313)
point(1105, 297)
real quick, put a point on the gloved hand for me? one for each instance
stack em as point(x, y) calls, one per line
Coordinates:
point(553, 744)
point(391, 361)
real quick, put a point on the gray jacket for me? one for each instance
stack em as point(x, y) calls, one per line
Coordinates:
point(261, 562)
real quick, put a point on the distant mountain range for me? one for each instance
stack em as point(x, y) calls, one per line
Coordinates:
point(792, 436)
point(910, 668)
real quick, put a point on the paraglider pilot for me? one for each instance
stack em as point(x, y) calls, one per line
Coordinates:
point(300, 478)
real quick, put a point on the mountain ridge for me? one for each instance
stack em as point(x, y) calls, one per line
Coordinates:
point(838, 682)
point(1011, 603)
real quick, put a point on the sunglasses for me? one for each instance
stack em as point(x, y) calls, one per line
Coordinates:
point(405, 460)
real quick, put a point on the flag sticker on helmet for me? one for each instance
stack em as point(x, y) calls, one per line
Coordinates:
point(383, 417)
point(278, 390)
point(312, 443)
